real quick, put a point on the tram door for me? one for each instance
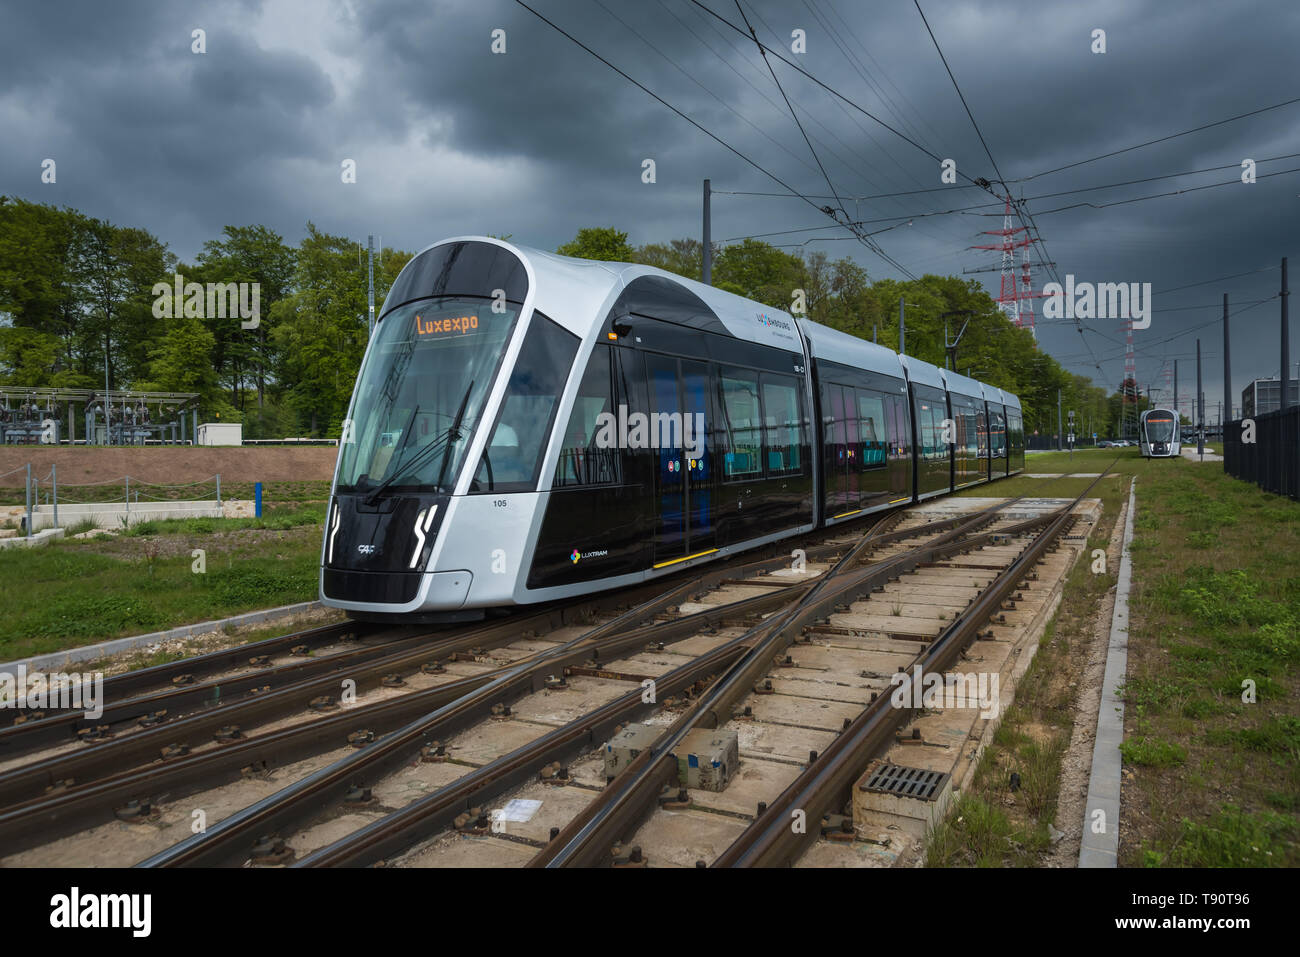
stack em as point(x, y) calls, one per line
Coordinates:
point(679, 397)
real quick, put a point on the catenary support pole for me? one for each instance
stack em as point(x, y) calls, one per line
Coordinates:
point(706, 275)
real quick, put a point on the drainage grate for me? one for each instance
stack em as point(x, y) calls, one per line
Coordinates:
point(906, 782)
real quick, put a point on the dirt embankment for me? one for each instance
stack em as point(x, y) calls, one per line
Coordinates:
point(171, 465)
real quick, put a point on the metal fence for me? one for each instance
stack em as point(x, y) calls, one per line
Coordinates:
point(1272, 460)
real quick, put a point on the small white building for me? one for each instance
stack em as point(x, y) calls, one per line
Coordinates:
point(221, 433)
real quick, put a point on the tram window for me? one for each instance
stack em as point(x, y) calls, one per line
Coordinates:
point(743, 417)
point(783, 438)
point(961, 432)
point(512, 458)
point(997, 435)
point(583, 459)
point(899, 439)
point(872, 429)
point(926, 427)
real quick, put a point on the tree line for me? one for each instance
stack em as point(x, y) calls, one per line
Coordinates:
point(76, 294)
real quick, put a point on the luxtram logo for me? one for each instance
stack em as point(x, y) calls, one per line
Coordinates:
point(765, 320)
point(598, 553)
point(575, 556)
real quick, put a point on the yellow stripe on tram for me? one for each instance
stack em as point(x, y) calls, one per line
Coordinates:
point(897, 500)
point(844, 514)
point(687, 558)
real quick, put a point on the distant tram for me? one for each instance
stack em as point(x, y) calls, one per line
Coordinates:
point(1159, 434)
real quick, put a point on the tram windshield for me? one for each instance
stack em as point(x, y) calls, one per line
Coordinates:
point(420, 393)
point(1160, 428)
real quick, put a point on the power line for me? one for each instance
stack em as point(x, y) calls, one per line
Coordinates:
point(632, 30)
point(793, 114)
point(856, 65)
point(909, 192)
point(907, 170)
point(831, 90)
point(883, 74)
point(1022, 212)
point(960, 95)
point(726, 39)
point(1027, 199)
point(772, 176)
point(1162, 139)
point(1174, 192)
point(866, 241)
point(1206, 282)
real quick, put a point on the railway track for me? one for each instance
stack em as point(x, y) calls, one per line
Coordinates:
point(445, 723)
point(182, 727)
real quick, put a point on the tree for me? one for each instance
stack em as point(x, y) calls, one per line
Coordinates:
point(681, 256)
point(26, 356)
point(119, 269)
point(760, 271)
point(604, 243)
point(252, 254)
point(320, 330)
point(181, 362)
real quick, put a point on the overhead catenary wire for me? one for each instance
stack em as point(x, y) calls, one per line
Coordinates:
point(1174, 192)
point(979, 206)
point(839, 205)
point(865, 112)
point(713, 136)
point(907, 170)
point(1162, 139)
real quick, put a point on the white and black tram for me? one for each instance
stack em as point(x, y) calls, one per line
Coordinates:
point(527, 427)
point(1159, 435)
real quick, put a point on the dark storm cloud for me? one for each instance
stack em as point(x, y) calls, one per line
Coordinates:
point(451, 139)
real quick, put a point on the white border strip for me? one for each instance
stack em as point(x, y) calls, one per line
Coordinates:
point(104, 649)
point(1102, 849)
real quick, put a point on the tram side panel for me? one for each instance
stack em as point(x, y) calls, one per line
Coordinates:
point(865, 443)
point(933, 456)
point(1015, 441)
point(646, 509)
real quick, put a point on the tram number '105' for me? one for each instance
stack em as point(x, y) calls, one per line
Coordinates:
point(441, 327)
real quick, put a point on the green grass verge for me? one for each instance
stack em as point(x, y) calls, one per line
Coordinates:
point(1212, 749)
point(71, 593)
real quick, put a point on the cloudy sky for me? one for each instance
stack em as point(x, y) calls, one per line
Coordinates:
point(450, 138)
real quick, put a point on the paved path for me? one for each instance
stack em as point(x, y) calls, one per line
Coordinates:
point(1100, 847)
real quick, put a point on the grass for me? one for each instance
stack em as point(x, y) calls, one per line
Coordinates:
point(1213, 690)
point(1212, 749)
point(991, 825)
point(74, 592)
point(1152, 752)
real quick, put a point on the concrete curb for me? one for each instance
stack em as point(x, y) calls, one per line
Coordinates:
point(104, 649)
point(43, 537)
point(1102, 850)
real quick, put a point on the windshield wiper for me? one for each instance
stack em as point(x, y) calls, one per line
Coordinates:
point(453, 432)
point(443, 439)
point(405, 468)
